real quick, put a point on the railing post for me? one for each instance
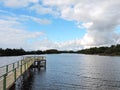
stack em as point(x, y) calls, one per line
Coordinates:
point(6, 69)
point(29, 62)
point(18, 64)
point(25, 66)
point(45, 63)
point(13, 66)
point(4, 82)
point(21, 62)
point(15, 74)
point(21, 67)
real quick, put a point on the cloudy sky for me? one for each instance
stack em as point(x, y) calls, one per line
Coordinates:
point(59, 24)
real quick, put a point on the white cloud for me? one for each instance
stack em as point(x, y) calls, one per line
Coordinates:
point(48, 44)
point(9, 16)
point(59, 3)
point(16, 38)
point(43, 9)
point(99, 17)
point(18, 3)
point(14, 35)
point(87, 25)
point(42, 21)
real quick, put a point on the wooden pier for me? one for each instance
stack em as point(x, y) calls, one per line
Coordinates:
point(10, 73)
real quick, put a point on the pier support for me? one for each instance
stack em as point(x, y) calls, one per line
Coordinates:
point(39, 64)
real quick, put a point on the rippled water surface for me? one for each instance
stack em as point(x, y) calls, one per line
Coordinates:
point(76, 72)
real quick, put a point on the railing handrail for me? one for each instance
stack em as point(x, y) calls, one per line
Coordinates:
point(12, 69)
point(23, 58)
point(12, 62)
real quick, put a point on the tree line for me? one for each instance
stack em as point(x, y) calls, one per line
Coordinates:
point(112, 50)
point(16, 52)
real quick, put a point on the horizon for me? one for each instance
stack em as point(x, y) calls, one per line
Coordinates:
point(62, 25)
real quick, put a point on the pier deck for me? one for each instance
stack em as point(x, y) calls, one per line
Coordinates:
point(10, 73)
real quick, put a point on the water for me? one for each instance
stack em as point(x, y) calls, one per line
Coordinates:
point(76, 72)
point(8, 60)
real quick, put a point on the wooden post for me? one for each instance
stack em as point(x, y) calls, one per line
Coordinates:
point(4, 82)
point(21, 62)
point(45, 64)
point(15, 74)
point(18, 64)
point(25, 66)
point(21, 68)
point(13, 66)
point(6, 68)
point(34, 58)
point(38, 64)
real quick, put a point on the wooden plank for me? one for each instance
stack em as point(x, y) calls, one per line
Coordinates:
point(1, 83)
point(9, 80)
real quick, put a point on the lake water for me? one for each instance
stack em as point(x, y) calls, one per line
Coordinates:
point(76, 72)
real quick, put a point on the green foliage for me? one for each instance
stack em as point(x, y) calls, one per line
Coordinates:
point(11, 52)
point(15, 52)
point(113, 50)
point(51, 51)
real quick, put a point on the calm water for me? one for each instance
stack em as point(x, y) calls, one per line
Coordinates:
point(76, 72)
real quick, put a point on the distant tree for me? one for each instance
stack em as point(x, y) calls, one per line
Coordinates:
point(51, 51)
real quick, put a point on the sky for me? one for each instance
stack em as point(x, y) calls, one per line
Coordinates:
point(59, 24)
